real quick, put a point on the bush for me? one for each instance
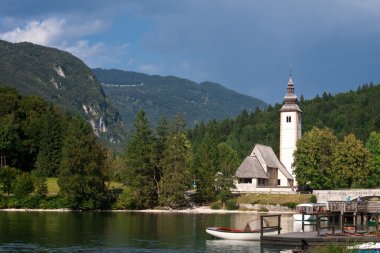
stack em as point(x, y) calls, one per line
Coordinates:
point(7, 178)
point(291, 205)
point(313, 199)
point(231, 204)
point(126, 199)
point(216, 205)
point(53, 202)
point(23, 185)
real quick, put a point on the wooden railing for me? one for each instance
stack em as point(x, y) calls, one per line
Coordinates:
point(278, 227)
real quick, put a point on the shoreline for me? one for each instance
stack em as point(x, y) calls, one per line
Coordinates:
point(197, 210)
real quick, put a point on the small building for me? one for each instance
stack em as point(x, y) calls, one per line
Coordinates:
point(262, 171)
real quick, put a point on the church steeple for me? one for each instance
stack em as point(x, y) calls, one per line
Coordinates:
point(290, 98)
point(290, 127)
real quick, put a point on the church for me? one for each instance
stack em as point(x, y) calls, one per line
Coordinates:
point(262, 170)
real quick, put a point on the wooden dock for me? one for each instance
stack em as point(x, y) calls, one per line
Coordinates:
point(304, 240)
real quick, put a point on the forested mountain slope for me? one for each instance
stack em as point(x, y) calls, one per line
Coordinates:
point(62, 79)
point(168, 95)
point(356, 112)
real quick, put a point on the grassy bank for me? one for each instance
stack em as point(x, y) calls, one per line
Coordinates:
point(274, 199)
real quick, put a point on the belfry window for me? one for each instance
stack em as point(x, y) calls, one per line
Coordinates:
point(288, 119)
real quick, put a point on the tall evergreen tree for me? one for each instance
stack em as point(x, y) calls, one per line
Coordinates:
point(205, 169)
point(373, 146)
point(162, 132)
point(176, 166)
point(9, 138)
point(140, 160)
point(81, 178)
point(49, 156)
point(227, 165)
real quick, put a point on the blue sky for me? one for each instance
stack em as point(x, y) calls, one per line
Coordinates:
point(246, 45)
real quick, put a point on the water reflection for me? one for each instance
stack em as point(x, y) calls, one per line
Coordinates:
point(125, 232)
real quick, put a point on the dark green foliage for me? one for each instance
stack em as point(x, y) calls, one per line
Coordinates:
point(351, 112)
point(373, 146)
point(8, 177)
point(49, 155)
point(206, 169)
point(176, 166)
point(231, 204)
point(60, 78)
point(141, 163)
point(351, 163)
point(23, 185)
point(216, 205)
point(39, 182)
point(81, 179)
point(313, 199)
point(290, 205)
point(156, 95)
point(8, 138)
point(126, 199)
point(313, 159)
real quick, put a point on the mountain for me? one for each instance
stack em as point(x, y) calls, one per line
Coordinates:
point(168, 95)
point(62, 79)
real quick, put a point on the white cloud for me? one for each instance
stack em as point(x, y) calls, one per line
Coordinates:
point(45, 32)
point(83, 49)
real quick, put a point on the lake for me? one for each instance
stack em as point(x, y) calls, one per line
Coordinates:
point(124, 232)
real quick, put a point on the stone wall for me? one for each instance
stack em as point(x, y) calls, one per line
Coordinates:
point(341, 195)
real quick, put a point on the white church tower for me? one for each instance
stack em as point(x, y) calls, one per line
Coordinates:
point(290, 127)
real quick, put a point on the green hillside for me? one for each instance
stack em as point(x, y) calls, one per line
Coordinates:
point(167, 95)
point(356, 112)
point(62, 79)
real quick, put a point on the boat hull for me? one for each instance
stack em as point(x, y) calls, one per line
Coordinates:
point(233, 234)
point(307, 217)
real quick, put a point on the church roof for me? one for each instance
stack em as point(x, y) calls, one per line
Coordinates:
point(272, 160)
point(290, 99)
point(251, 168)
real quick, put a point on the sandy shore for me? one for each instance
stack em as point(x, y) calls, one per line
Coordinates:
point(196, 210)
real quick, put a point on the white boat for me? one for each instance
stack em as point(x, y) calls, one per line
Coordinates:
point(366, 247)
point(248, 233)
point(310, 211)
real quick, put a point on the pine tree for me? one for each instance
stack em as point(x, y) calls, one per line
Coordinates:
point(140, 160)
point(205, 169)
point(81, 178)
point(49, 155)
point(162, 132)
point(176, 166)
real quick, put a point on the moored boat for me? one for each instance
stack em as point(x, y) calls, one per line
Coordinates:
point(250, 232)
point(310, 211)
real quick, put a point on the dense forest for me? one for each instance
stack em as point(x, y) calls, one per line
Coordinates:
point(356, 112)
point(161, 164)
point(62, 79)
point(39, 140)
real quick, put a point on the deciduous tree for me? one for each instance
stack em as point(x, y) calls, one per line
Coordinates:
point(313, 158)
point(373, 146)
point(351, 162)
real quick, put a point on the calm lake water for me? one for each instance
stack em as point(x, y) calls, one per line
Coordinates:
point(123, 232)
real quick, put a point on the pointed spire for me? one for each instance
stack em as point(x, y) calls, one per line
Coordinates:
point(290, 98)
